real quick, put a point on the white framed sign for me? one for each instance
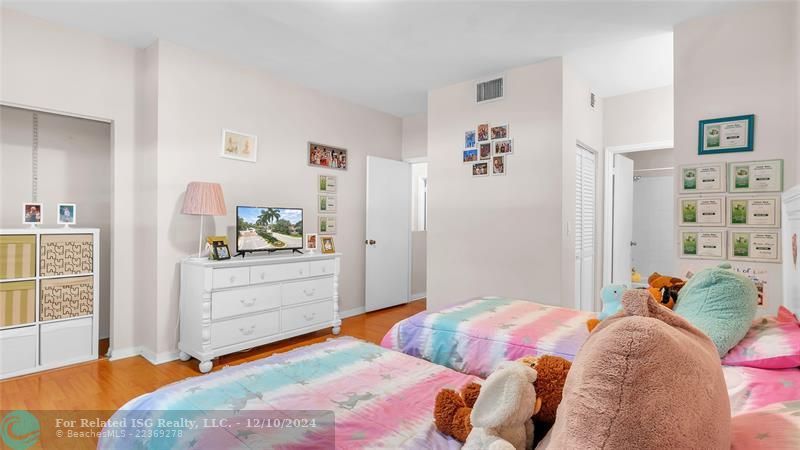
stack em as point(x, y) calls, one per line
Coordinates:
point(702, 178)
point(327, 225)
point(702, 211)
point(755, 245)
point(755, 176)
point(702, 243)
point(326, 204)
point(760, 212)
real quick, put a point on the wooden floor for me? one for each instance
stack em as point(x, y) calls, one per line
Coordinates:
point(106, 385)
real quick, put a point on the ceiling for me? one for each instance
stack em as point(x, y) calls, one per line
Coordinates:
point(387, 55)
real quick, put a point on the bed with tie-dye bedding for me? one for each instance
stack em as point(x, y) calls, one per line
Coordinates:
point(475, 336)
point(378, 398)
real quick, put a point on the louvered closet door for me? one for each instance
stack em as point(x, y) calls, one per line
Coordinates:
point(585, 220)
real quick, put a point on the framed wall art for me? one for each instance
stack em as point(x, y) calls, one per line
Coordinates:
point(702, 178)
point(327, 183)
point(241, 146)
point(726, 135)
point(702, 211)
point(326, 204)
point(755, 176)
point(702, 244)
point(756, 212)
point(752, 245)
point(320, 155)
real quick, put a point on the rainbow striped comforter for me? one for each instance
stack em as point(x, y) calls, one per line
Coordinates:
point(379, 398)
point(475, 336)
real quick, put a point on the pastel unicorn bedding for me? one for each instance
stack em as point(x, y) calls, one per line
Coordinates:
point(475, 336)
point(379, 398)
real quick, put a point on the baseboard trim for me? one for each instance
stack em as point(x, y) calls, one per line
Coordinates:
point(352, 312)
point(123, 353)
point(159, 358)
point(419, 296)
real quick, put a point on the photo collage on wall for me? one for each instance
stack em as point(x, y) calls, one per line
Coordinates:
point(486, 149)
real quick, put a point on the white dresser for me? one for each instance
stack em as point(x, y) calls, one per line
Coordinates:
point(232, 305)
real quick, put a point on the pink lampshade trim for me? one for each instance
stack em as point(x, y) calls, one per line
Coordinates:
point(204, 198)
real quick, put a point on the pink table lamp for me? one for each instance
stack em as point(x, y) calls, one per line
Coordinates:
point(203, 199)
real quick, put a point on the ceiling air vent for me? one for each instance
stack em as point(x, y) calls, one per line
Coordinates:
point(489, 90)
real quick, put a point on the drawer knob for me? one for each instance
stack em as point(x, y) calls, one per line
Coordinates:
point(311, 292)
point(233, 279)
point(300, 271)
point(248, 331)
point(262, 275)
point(250, 302)
point(309, 317)
point(324, 269)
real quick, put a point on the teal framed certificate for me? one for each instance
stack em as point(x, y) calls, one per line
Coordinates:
point(726, 135)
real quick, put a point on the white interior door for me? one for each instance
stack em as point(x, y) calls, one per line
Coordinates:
point(388, 239)
point(585, 231)
point(623, 221)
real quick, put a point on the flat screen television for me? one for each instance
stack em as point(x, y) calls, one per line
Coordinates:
point(268, 229)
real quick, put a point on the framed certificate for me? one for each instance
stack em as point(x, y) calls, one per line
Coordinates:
point(702, 178)
point(761, 212)
point(749, 245)
point(756, 176)
point(702, 244)
point(726, 135)
point(702, 211)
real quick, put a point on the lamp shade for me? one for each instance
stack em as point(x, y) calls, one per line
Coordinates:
point(204, 199)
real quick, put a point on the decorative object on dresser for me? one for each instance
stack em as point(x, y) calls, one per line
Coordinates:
point(328, 247)
point(203, 199)
point(49, 280)
point(228, 306)
point(32, 214)
point(67, 214)
point(311, 242)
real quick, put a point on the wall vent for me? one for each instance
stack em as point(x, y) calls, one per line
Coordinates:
point(592, 100)
point(489, 90)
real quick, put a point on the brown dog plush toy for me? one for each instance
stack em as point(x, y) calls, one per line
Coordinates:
point(452, 410)
point(664, 289)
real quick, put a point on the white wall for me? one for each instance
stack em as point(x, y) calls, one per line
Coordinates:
point(415, 136)
point(639, 117)
point(496, 235)
point(50, 67)
point(741, 62)
point(193, 110)
point(72, 153)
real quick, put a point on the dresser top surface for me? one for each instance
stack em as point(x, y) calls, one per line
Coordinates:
point(259, 260)
point(53, 230)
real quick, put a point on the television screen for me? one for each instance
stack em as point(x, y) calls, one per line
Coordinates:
point(261, 228)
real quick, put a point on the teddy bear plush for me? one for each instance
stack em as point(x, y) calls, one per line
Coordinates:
point(664, 289)
point(501, 417)
point(453, 409)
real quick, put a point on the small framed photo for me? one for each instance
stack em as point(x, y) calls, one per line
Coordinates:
point(221, 251)
point(726, 135)
point(32, 213)
point(499, 165)
point(702, 211)
point(326, 204)
point(67, 214)
point(480, 169)
point(469, 139)
point(503, 147)
point(755, 176)
point(311, 241)
point(756, 212)
point(499, 131)
point(327, 183)
point(241, 146)
point(761, 246)
point(327, 245)
point(327, 224)
point(470, 155)
point(212, 242)
point(702, 244)
point(703, 178)
point(483, 132)
point(485, 151)
point(320, 155)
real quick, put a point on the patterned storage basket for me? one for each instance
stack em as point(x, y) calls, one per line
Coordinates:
point(66, 254)
point(62, 298)
point(17, 256)
point(17, 303)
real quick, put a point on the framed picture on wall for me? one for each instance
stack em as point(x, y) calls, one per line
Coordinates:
point(480, 169)
point(241, 146)
point(485, 151)
point(499, 131)
point(755, 176)
point(702, 178)
point(756, 212)
point(726, 135)
point(751, 245)
point(469, 139)
point(702, 211)
point(483, 132)
point(499, 165)
point(327, 183)
point(320, 155)
point(470, 155)
point(327, 224)
point(326, 204)
point(702, 244)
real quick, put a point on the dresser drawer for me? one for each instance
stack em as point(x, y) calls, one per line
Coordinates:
point(17, 349)
point(278, 272)
point(235, 276)
point(317, 268)
point(244, 329)
point(244, 301)
point(66, 341)
point(306, 315)
point(308, 290)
